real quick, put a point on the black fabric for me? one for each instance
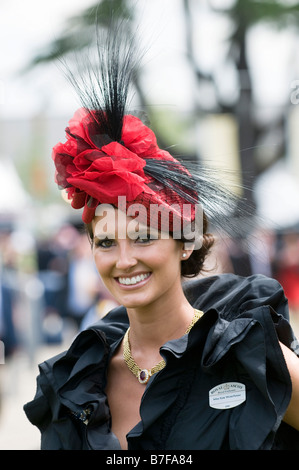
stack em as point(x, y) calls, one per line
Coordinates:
point(236, 340)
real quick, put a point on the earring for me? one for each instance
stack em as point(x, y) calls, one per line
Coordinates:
point(184, 255)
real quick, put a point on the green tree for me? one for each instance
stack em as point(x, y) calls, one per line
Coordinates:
point(243, 15)
point(79, 31)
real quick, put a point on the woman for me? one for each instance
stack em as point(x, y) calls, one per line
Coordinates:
point(209, 364)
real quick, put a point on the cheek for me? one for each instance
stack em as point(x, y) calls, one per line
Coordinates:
point(166, 259)
point(102, 264)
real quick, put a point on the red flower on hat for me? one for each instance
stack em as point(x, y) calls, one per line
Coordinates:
point(94, 174)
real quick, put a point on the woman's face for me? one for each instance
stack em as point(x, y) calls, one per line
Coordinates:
point(137, 271)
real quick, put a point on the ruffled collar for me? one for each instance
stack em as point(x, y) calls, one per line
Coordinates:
point(79, 377)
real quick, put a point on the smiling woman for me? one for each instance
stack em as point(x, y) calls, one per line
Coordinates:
point(203, 364)
point(196, 237)
point(139, 270)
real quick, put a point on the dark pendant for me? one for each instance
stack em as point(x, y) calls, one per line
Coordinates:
point(144, 376)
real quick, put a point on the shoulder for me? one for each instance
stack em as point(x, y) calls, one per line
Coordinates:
point(68, 381)
point(250, 321)
point(229, 293)
point(113, 325)
point(90, 345)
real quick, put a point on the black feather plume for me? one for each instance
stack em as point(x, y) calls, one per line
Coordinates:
point(200, 184)
point(103, 77)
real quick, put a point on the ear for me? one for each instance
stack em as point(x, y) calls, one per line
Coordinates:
point(186, 252)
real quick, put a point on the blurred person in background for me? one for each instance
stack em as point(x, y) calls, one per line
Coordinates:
point(287, 269)
point(52, 254)
point(8, 331)
point(210, 363)
point(82, 281)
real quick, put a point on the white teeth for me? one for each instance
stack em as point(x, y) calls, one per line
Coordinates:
point(129, 281)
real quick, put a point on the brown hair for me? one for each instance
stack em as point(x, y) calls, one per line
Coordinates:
point(194, 264)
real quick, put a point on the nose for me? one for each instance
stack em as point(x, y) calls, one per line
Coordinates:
point(126, 257)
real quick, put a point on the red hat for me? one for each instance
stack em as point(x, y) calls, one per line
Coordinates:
point(93, 169)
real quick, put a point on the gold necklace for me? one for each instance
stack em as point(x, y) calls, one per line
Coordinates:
point(143, 375)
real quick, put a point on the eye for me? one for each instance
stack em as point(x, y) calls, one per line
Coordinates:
point(104, 243)
point(144, 238)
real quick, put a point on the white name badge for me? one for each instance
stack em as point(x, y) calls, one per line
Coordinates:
point(227, 395)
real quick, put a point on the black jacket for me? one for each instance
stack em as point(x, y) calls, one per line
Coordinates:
point(235, 342)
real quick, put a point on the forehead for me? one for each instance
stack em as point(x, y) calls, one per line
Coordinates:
point(111, 222)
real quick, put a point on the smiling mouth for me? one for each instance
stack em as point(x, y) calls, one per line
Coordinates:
point(132, 281)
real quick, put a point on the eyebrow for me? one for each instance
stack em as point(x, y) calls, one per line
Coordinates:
point(103, 236)
point(132, 235)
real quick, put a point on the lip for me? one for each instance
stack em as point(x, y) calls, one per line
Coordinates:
point(137, 284)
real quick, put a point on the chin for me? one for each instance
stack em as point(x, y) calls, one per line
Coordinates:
point(134, 303)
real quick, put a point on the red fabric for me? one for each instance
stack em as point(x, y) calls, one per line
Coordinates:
point(288, 277)
point(93, 175)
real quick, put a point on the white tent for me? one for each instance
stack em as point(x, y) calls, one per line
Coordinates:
point(277, 197)
point(13, 196)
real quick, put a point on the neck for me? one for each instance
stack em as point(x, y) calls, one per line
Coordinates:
point(145, 369)
point(153, 325)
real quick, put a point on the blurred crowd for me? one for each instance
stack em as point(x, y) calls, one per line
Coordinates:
point(49, 285)
point(271, 253)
